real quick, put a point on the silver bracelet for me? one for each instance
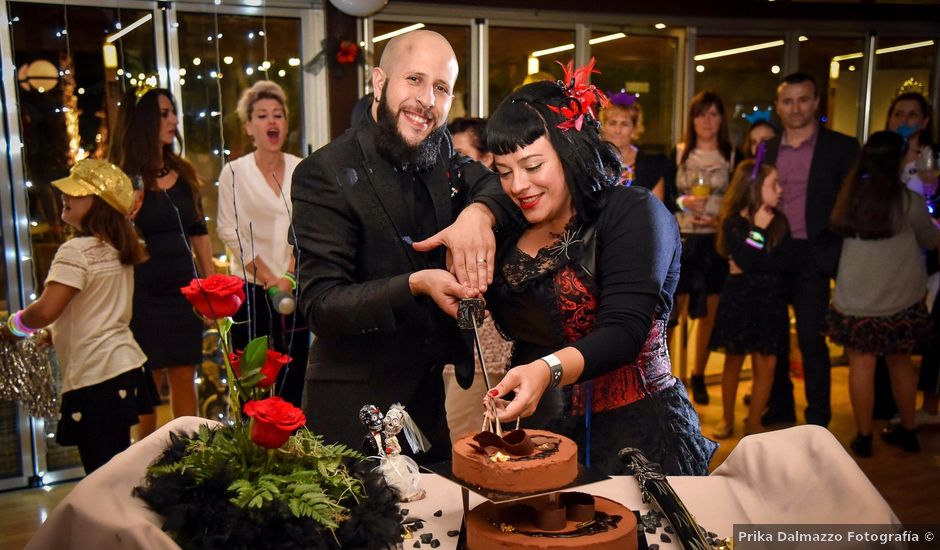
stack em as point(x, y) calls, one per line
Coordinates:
point(554, 369)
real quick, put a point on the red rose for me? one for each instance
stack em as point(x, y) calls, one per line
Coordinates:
point(217, 296)
point(272, 421)
point(235, 360)
point(273, 363)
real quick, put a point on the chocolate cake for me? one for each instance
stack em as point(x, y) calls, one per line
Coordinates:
point(559, 521)
point(511, 464)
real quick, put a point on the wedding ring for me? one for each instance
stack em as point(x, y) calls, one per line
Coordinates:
point(481, 260)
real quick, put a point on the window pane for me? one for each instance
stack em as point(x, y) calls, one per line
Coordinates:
point(459, 38)
point(241, 62)
point(906, 66)
point(10, 460)
point(836, 64)
point(511, 50)
point(68, 105)
point(646, 66)
point(746, 81)
point(70, 81)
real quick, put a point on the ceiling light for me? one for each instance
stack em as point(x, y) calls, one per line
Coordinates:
point(608, 38)
point(735, 51)
point(532, 65)
point(109, 51)
point(393, 34)
point(890, 49)
point(903, 47)
point(128, 28)
point(549, 51)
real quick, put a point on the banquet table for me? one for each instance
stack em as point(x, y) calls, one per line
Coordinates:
point(801, 475)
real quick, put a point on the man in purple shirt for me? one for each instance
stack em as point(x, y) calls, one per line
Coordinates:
point(812, 162)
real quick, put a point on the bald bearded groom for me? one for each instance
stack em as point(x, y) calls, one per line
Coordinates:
point(371, 211)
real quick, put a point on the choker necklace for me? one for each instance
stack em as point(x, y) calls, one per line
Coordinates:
point(164, 171)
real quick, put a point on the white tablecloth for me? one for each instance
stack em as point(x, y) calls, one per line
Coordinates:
point(798, 475)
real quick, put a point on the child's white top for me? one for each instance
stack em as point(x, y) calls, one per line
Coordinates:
point(92, 337)
point(263, 216)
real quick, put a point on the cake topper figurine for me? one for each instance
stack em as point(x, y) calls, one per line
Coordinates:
point(400, 471)
point(371, 417)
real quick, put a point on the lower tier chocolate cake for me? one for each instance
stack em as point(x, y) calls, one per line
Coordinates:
point(556, 521)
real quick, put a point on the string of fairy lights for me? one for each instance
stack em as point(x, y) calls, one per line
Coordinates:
point(117, 59)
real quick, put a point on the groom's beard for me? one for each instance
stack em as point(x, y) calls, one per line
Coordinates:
point(393, 146)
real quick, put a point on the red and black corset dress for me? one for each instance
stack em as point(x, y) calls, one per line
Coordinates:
point(549, 301)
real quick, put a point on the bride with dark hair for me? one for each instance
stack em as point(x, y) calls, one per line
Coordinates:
point(585, 286)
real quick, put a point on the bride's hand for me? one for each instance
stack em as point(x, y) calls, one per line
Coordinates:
point(529, 381)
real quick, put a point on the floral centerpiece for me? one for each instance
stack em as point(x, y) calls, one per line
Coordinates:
point(263, 480)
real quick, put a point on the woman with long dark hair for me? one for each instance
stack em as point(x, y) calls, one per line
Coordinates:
point(584, 287)
point(171, 221)
point(878, 307)
point(704, 162)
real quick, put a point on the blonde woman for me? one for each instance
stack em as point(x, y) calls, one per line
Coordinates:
point(254, 217)
point(622, 126)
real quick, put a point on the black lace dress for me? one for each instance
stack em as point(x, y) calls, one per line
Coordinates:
point(606, 290)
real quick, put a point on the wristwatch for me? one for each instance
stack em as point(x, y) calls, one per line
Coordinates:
point(554, 369)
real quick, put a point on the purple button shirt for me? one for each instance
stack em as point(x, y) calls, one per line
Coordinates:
point(793, 169)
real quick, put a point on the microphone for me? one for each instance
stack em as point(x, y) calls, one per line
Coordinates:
point(283, 302)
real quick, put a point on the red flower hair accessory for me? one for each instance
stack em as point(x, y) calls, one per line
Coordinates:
point(582, 96)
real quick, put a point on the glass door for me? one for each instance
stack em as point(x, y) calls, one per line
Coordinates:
point(70, 65)
point(220, 55)
point(902, 65)
point(646, 67)
point(744, 71)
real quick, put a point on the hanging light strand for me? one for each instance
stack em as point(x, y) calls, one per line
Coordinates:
point(123, 61)
point(250, 304)
point(65, 31)
point(265, 64)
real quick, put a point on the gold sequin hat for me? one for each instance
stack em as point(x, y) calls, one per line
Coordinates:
point(99, 177)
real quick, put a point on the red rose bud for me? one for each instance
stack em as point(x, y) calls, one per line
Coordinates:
point(216, 296)
point(235, 360)
point(273, 363)
point(272, 421)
